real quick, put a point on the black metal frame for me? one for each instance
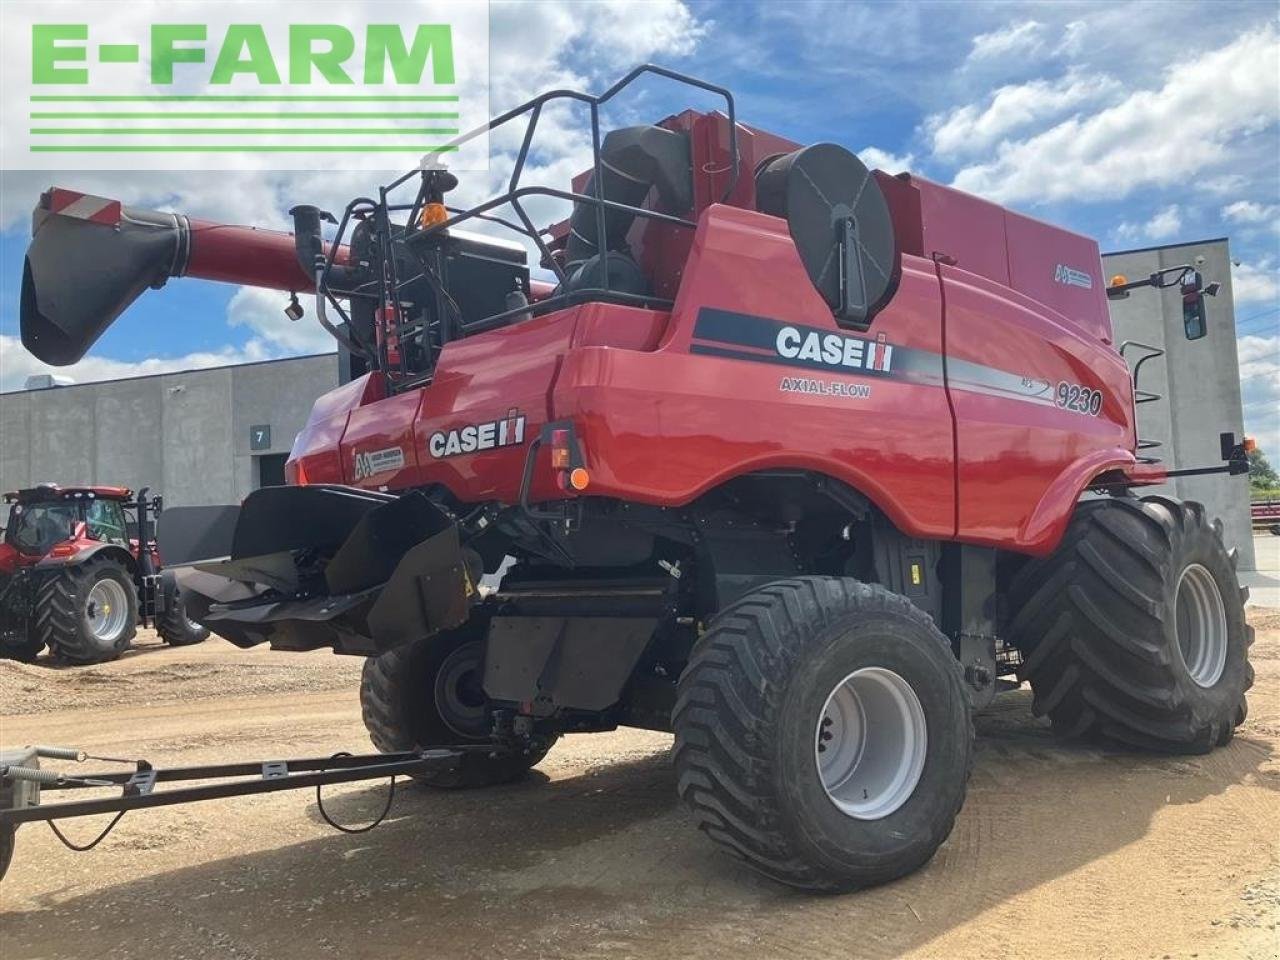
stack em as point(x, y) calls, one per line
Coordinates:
point(389, 285)
point(138, 786)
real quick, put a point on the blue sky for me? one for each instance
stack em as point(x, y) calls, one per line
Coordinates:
point(1139, 124)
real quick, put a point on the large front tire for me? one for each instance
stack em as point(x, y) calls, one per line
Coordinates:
point(1133, 630)
point(823, 733)
point(427, 694)
point(175, 627)
point(88, 612)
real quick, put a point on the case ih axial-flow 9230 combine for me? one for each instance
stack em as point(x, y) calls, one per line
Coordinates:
point(793, 459)
point(79, 571)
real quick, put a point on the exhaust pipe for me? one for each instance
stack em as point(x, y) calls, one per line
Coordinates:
point(90, 258)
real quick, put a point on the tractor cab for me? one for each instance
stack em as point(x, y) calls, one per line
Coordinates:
point(48, 516)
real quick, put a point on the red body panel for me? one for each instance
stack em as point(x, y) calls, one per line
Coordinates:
point(978, 406)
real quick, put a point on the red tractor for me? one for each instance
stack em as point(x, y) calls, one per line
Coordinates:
point(800, 461)
point(79, 571)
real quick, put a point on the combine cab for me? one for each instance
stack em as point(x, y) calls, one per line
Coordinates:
point(801, 461)
point(79, 572)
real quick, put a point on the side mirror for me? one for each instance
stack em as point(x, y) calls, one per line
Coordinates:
point(1195, 324)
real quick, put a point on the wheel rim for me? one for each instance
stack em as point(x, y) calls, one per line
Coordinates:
point(459, 692)
point(870, 744)
point(1201, 625)
point(107, 610)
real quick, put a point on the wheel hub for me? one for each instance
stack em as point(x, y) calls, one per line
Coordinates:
point(870, 743)
point(1200, 622)
point(459, 692)
point(107, 610)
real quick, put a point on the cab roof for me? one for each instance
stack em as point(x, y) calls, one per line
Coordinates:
point(44, 492)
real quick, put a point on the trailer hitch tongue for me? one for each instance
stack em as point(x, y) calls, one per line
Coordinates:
point(20, 786)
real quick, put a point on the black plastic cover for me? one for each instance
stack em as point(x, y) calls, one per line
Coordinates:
point(818, 190)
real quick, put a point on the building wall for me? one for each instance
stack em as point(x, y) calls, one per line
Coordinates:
point(1198, 380)
point(184, 435)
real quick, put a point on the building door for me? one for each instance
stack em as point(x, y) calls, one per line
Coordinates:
point(271, 469)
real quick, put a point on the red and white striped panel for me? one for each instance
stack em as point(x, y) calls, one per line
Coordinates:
point(83, 206)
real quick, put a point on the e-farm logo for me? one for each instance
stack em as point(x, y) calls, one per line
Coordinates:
point(365, 84)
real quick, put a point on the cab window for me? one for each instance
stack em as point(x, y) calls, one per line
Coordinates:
point(35, 528)
point(104, 520)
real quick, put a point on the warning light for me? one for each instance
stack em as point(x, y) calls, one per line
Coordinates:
point(579, 479)
point(561, 455)
point(1119, 280)
point(1249, 444)
point(433, 213)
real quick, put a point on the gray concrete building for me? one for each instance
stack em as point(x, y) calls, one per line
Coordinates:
point(197, 437)
point(211, 436)
point(1198, 380)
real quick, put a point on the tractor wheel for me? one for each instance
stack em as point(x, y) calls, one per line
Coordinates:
point(428, 693)
point(823, 733)
point(87, 613)
point(1133, 630)
point(176, 628)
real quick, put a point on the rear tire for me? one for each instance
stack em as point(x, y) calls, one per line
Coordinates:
point(176, 628)
point(779, 773)
point(87, 613)
point(426, 694)
point(1134, 629)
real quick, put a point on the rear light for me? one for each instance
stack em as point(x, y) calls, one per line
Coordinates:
point(566, 457)
point(64, 550)
point(295, 474)
point(561, 449)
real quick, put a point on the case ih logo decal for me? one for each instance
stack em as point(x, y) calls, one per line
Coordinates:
point(378, 461)
point(475, 437)
point(742, 336)
point(834, 350)
point(1072, 277)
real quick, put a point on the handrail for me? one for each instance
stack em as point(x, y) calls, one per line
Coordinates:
point(389, 237)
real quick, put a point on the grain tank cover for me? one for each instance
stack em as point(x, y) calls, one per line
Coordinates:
point(840, 222)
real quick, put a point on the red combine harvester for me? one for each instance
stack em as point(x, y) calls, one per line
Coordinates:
point(800, 461)
point(76, 580)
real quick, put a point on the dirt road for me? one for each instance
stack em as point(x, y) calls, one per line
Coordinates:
point(1061, 852)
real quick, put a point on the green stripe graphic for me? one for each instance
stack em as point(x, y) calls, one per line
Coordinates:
point(226, 148)
point(98, 115)
point(219, 98)
point(189, 131)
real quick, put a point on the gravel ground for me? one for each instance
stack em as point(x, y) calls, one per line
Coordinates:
point(1062, 851)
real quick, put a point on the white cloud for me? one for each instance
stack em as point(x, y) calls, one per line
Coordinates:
point(973, 129)
point(1246, 211)
point(1018, 38)
point(1256, 282)
point(1260, 390)
point(1163, 225)
point(263, 312)
point(889, 162)
point(16, 364)
point(1157, 137)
